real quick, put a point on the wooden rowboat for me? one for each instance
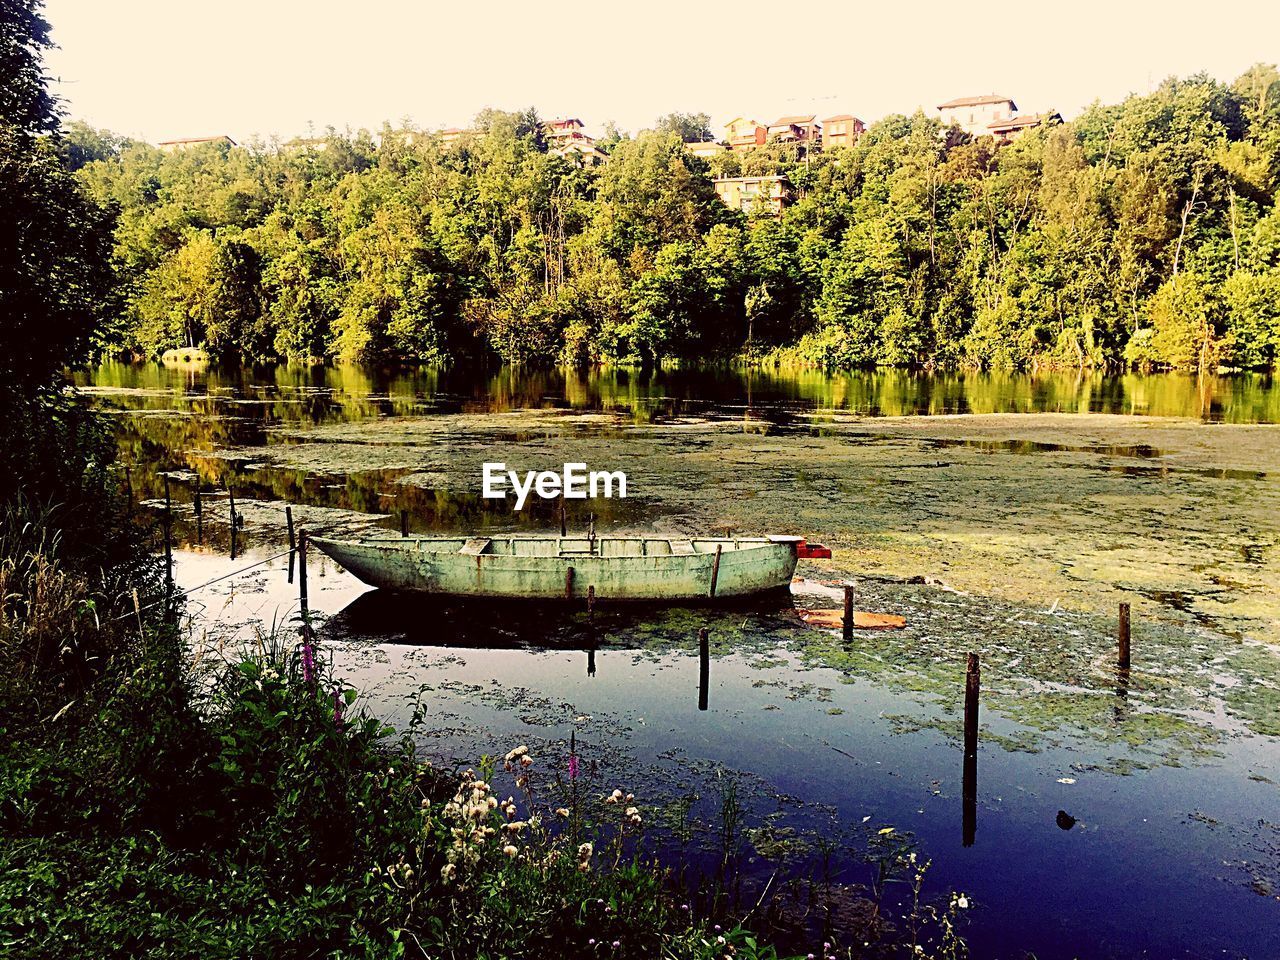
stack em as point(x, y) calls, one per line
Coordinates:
point(549, 567)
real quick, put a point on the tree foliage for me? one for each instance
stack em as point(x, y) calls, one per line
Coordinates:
point(1145, 231)
point(56, 278)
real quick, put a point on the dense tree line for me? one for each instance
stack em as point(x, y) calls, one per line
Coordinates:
point(1144, 232)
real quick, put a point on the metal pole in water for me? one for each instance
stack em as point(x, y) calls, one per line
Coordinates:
point(704, 666)
point(972, 687)
point(293, 543)
point(848, 612)
point(1123, 637)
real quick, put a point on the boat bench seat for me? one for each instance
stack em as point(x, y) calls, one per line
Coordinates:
point(683, 548)
point(475, 546)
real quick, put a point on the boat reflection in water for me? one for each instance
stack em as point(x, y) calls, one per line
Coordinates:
point(384, 616)
point(417, 619)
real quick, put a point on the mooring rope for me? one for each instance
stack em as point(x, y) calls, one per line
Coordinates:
point(208, 583)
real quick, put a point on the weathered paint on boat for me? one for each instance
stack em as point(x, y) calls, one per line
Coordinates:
point(537, 567)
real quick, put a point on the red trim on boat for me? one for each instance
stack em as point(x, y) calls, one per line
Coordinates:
point(812, 551)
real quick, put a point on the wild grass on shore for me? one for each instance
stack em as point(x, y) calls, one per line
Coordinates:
point(259, 810)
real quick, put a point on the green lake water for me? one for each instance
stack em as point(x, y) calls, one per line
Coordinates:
point(1010, 536)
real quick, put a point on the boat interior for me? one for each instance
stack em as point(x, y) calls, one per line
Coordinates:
point(606, 546)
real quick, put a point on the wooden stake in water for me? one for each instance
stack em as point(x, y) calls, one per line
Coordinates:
point(704, 666)
point(564, 529)
point(168, 542)
point(591, 601)
point(1123, 637)
point(404, 523)
point(302, 577)
point(293, 544)
point(715, 570)
point(972, 687)
point(568, 583)
point(235, 520)
point(848, 611)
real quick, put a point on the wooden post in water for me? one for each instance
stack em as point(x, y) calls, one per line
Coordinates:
point(972, 687)
point(564, 529)
point(168, 544)
point(591, 601)
point(568, 583)
point(235, 520)
point(704, 666)
point(293, 543)
point(302, 577)
point(199, 515)
point(848, 612)
point(1123, 637)
point(404, 523)
point(715, 570)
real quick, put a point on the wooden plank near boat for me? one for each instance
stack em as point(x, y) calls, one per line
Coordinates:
point(475, 546)
point(862, 620)
point(538, 567)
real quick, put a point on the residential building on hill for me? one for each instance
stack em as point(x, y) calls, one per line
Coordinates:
point(1005, 131)
point(800, 130)
point(750, 194)
point(567, 137)
point(580, 150)
point(169, 146)
point(564, 128)
point(975, 115)
point(705, 148)
point(743, 133)
point(842, 130)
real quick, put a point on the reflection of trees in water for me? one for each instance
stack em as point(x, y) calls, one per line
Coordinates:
point(317, 394)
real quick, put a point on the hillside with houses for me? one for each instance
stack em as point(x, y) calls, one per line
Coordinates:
point(1139, 233)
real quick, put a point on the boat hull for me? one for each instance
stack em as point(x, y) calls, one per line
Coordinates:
point(438, 566)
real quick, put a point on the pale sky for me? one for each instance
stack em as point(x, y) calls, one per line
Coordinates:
point(165, 69)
